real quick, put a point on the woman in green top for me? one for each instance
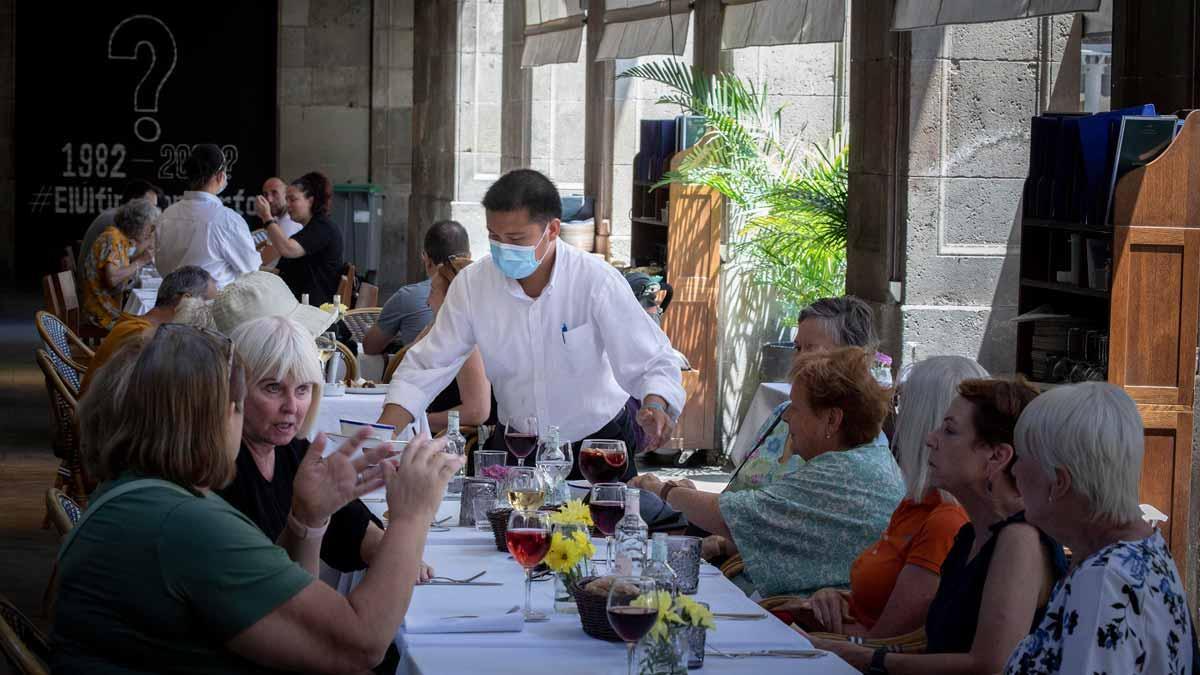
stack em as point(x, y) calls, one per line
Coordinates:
point(801, 532)
point(163, 575)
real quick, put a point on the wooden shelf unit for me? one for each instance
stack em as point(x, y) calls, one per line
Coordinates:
point(1150, 312)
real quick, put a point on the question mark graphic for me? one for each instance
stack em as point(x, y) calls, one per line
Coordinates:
point(124, 43)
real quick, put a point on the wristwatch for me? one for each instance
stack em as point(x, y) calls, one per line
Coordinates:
point(877, 666)
point(655, 405)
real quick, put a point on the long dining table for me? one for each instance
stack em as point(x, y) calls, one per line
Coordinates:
point(559, 645)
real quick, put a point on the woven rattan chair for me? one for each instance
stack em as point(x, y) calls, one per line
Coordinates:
point(351, 364)
point(63, 406)
point(23, 644)
point(63, 510)
point(66, 350)
point(394, 363)
point(359, 321)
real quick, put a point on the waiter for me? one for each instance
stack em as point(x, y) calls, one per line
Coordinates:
point(562, 338)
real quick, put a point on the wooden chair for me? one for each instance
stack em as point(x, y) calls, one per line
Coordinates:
point(24, 646)
point(71, 478)
point(368, 296)
point(394, 363)
point(359, 321)
point(733, 566)
point(68, 353)
point(351, 364)
point(62, 300)
point(909, 643)
point(345, 289)
point(64, 512)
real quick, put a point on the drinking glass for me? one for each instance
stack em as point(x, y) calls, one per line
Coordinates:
point(520, 437)
point(632, 611)
point(490, 458)
point(555, 464)
point(525, 489)
point(607, 504)
point(603, 461)
point(326, 346)
point(528, 539)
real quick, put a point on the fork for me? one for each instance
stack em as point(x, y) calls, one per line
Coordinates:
point(458, 581)
point(513, 610)
point(780, 653)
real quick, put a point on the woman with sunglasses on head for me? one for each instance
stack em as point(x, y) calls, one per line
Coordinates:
point(163, 575)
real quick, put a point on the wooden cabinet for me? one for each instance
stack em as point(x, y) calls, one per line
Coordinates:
point(1150, 314)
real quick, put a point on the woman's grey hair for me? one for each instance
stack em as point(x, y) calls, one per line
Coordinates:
point(848, 320)
point(275, 348)
point(925, 392)
point(1093, 431)
point(135, 216)
point(188, 280)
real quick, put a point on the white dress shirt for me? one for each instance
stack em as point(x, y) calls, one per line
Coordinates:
point(200, 230)
point(571, 357)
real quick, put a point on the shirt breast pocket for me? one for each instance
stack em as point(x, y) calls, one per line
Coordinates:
point(576, 351)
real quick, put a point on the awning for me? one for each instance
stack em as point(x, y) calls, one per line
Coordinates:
point(763, 23)
point(911, 14)
point(553, 32)
point(634, 28)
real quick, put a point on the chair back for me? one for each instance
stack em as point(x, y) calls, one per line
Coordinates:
point(64, 408)
point(24, 646)
point(345, 290)
point(351, 362)
point(66, 349)
point(368, 296)
point(63, 510)
point(394, 363)
point(359, 321)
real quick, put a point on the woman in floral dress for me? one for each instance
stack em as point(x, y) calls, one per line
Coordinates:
point(1122, 607)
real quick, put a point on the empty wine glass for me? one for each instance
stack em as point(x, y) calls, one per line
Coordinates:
point(632, 611)
point(528, 540)
point(553, 458)
point(607, 505)
point(520, 437)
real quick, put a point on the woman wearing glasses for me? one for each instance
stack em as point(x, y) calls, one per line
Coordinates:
point(162, 574)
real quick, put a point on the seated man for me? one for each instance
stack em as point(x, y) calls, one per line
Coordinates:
point(274, 190)
point(407, 313)
point(186, 282)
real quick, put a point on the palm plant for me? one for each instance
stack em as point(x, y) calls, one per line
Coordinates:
point(787, 208)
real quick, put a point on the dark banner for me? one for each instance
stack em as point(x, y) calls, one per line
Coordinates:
point(109, 91)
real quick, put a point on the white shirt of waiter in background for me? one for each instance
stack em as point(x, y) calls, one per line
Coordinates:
point(561, 336)
point(199, 230)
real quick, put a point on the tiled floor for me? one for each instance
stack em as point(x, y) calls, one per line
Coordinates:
point(27, 465)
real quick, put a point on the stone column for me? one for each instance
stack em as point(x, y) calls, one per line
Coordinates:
point(391, 131)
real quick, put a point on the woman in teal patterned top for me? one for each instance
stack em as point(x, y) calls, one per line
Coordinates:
point(803, 531)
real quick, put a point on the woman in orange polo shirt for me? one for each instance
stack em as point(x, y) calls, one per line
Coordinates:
point(893, 581)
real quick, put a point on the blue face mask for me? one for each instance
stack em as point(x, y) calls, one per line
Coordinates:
point(516, 262)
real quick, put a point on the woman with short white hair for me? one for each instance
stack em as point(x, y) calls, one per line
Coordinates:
point(283, 394)
point(1121, 608)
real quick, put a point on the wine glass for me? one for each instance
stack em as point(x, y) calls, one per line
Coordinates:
point(607, 505)
point(528, 539)
point(525, 488)
point(603, 461)
point(555, 463)
point(632, 611)
point(520, 436)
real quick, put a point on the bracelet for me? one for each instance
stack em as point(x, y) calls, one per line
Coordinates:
point(267, 223)
point(666, 490)
point(655, 405)
point(303, 531)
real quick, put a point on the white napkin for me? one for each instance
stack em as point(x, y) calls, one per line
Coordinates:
point(494, 623)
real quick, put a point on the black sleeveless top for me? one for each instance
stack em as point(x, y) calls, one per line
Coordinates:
point(954, 612)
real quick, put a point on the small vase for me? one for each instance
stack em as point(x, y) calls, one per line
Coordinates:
point(664, 657)
point(564, 602)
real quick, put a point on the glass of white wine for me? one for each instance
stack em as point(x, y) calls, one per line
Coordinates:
point(326, 347)
point(525, 488)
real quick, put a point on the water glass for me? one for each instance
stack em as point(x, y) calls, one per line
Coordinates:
point(486, 458)
point(683, 555)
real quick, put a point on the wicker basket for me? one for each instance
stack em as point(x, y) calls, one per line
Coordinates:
point(593, 612)
point(499, 521)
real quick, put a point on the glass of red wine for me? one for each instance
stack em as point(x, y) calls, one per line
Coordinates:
point(528, 539)
point(520, 437)
point(607, 504)
point(602, 461)
point(632, 611)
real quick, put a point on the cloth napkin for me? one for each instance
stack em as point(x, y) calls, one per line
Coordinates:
point(494, 623)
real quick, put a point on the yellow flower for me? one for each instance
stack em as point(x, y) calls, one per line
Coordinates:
point(564, 554)
point(694, 613)
point(573, 513)
point(586, 548)
point(666, 614)
point(328, 307)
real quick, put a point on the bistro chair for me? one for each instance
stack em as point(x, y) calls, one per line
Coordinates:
point(71, 478)
point(359, 321)
point(64, 512)
point(25, 647)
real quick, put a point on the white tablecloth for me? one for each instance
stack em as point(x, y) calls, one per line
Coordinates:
point(560, 645)
point(768, 396)
point(141, 300)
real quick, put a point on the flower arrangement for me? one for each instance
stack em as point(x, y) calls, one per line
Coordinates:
point(571, 546)
point(670, 638)
point(572, 512)
point(340, 310)
point(497, 472)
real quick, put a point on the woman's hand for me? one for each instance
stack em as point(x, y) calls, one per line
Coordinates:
point(417, 480)
point(828, 607)
point(857, 656)
point(262, 208)
point(424, 573)
point(647, 482)
point(712, 547)
point(325, 484)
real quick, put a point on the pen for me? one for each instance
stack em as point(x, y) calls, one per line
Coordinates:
point(564, 333)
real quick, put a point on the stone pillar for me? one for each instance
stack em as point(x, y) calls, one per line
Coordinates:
point(517, 91)
point(599, 113)
point(391, 131)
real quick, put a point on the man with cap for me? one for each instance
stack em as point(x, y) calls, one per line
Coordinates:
point(562, 338)
point(199, 230)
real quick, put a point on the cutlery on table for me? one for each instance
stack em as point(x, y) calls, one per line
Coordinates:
point(738, 616)
point(461, 583)
point(513, 610)
point(452, 580)
point(777, 653)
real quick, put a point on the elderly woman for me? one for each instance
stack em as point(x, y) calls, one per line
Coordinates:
point(1122, 607)
point(894, 579)
point(108, 270)
point(802, 532)
point(283, 393)
point(469, 393)
point(163, 574)
point(311, 259)
point(998, 575)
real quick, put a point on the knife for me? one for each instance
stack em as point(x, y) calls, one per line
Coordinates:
point(461, 583)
